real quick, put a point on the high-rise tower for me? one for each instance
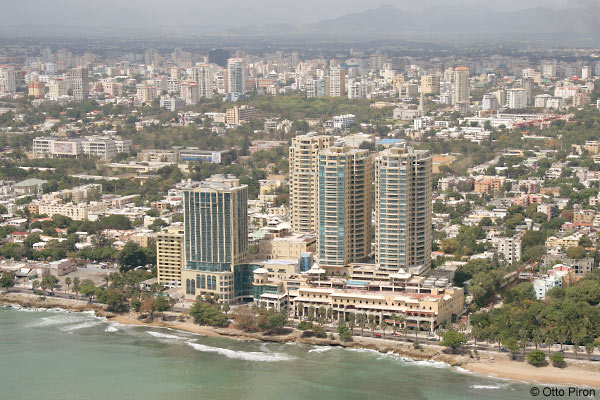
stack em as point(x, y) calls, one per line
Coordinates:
point(403, 209)
point(345, 206)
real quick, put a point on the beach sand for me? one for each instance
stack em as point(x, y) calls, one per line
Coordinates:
point(574, 374)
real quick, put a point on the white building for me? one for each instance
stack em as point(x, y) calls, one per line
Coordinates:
point(344, 121)
point(516, 98)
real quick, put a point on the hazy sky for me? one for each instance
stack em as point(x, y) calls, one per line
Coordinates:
point(239, 12)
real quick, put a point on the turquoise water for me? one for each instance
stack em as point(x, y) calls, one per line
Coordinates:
point(56, 355)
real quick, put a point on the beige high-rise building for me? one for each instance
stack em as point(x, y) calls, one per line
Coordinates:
point(461, 87)
point(202, 75)
point(345, 206)
point(304, 182)
point(430, 84)
point(403, 209)
point(335, 85)
point(170, 257)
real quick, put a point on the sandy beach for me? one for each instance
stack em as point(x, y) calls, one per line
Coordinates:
point(580, 373)
point(574, 374)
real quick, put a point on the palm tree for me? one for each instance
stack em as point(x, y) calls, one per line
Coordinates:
point(362, 323)
point(373, 325)
point(426, 327)
point(417, 329)
point(225, 308)
point(68, 282)
point(76, 283)
point(383, 325)
point(106, 279)
point(330, 314)
point(351, 323)
point(405, 330)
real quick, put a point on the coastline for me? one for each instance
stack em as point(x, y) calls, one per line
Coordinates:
point(497, 366)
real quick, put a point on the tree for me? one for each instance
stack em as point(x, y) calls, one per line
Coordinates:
point(35, 285)
point(589, 349)
point(76, 285)
point(49, 282)
point(558, 360)
point(114, 299)
point(88, 289)
point(345, 333)
point(537, 358)
point(576, 252)
point(131, 256)
point(161, 304)
point(7, 280)
point(511, 345)
point(383, 325)
point(68, 282)
point(245, 318)
point(453, 339)
point(205, 313)
point(362, 323)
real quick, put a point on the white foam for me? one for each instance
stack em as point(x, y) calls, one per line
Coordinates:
point(76, 327)
point(243, 355)
point(164, 335)
point(111, 329)
point(57, 320)
point(320, 349)
point(489, 387)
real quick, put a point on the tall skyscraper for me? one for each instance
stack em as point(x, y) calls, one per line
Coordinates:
point(461, 88)
point(202, 75)
point(528, 83)
point(170, 256)
point(236, 77)
point(216, 236)
point(304, 182)
point(345, 206)
point(218, 56)
point(403, 209)
point(80, 84)
point(8, 79)
point(336, 82)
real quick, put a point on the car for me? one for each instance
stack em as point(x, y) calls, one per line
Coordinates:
point(71, 297)
point(396, 334)
point(378, 335)
point(594, 358)
point(503, 349)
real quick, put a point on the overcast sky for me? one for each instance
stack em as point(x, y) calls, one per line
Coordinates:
point(238, 12)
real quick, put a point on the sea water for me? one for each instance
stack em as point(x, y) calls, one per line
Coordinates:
point(59, 355)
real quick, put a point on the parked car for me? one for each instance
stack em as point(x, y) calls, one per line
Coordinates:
point(378, 335)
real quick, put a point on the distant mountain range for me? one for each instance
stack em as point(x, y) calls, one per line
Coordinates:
point(439, 22)
point(386, 22)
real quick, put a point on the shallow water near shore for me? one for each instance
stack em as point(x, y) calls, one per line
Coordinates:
point(60, 355)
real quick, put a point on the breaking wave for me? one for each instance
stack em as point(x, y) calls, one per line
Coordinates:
point(243, 355)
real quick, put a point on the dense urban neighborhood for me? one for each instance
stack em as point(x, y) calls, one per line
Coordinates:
point(437, 200)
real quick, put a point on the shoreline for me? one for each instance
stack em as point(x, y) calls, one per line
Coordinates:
point(489, 365)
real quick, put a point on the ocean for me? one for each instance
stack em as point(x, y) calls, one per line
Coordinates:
point(59, 355)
